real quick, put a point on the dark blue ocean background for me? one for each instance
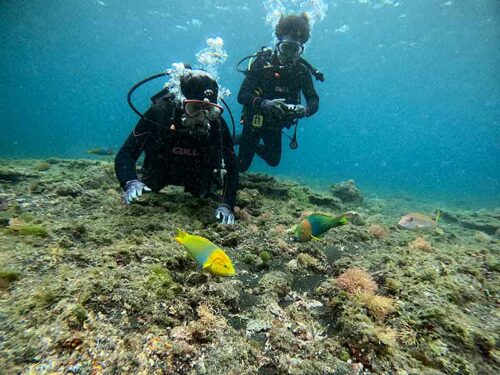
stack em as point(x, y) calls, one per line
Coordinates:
point(411, 102)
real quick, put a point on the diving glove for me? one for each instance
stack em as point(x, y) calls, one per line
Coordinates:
point(300, 111)
point(275, 107)
point(224, 214)
point(133, 190)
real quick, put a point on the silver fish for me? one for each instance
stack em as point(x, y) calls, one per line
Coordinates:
point(417, 221)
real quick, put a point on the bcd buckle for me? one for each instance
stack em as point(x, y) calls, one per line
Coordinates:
point(257, 121)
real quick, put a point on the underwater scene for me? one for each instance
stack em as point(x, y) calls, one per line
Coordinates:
point(250, 187)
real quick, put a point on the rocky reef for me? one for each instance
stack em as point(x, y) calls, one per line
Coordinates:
point(89, 286)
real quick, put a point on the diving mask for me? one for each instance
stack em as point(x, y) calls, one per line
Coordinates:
point(193, 108)
point(290, 49)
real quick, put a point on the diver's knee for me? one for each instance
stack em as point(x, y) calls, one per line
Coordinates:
point(273, 161)
point(243, 167)
point(244, 161)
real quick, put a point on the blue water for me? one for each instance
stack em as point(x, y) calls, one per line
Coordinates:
point(411, 102)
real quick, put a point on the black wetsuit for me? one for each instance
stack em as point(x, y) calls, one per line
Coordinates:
point(176, 157)
point(266, 82)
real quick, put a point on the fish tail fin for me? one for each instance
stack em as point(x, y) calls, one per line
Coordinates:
point(438, 215)
point(180, 237)
point(343, 219)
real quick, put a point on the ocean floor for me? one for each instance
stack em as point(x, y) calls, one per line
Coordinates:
point(88, 286)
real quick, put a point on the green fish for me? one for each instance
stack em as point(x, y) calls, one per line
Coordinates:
point(315, 224)
point(106, 151)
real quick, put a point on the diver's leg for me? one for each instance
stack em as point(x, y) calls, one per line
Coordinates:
point(271, 150)
point(248, 143)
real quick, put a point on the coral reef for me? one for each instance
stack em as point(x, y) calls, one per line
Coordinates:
point(89, 286)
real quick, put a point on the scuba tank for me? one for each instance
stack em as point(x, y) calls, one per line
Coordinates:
point(267, 52)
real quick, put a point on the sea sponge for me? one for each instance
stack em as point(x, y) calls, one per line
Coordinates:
point(280, 230)
point(308, 261)
point(377, 231)
point(207, 327)
point(378, 306)
point(420, 244)
point(284, 246)
point(242, 214)
point(356, 279)
point(252, 228)
point(386, 336)
point(42, 166)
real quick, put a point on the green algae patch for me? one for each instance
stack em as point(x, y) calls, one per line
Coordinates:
point(75, 315)
point(265, 256)
point(160, 282)
point(28, 229)
point(8, 276)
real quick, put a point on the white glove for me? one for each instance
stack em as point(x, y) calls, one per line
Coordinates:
point(224, 214)
point(133, 190)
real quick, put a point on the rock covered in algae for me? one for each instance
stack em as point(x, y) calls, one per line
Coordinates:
point(14, 175)
point(347, 192)
point(485, 222)
point(42, 166)
point(108, 291)
point(308, 261)
point(275, 282)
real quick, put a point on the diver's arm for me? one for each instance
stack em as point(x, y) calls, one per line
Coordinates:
point(312, 98)
point(231, 187)
point(247, 95)
point(132, 148)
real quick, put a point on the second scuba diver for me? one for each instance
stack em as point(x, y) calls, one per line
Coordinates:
point(271, 93)
point(186, 143)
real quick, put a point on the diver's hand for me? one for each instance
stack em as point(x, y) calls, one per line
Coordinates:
point(133, 190)
point(224, 214)
point(275, 107)
point(300, 111)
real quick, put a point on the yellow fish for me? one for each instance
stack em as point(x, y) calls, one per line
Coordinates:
point(208, 255)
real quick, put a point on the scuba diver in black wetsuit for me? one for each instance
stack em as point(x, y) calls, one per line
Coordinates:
point(186, 143)
point(271, 93)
